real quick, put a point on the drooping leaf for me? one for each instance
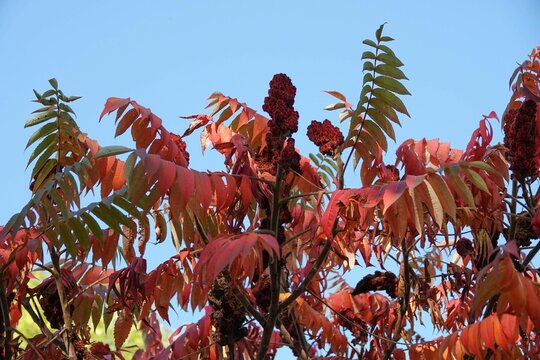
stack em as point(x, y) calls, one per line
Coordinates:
point(112, 150)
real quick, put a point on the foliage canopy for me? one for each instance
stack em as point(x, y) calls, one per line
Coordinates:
point(262, 246)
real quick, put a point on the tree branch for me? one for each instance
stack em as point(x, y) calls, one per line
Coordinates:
point(249, 306)
point(311, 274)
point(4, 308)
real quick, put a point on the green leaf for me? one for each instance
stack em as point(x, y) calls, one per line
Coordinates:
point(48, 141)
point(389, 59)
point(326, 178)
point(92, 225)
point(54, 83)
point(381, 120)
point(66, 108)
point(370, 43)
point(368, 55)
point(45, 156)
point(70, 188)
point(38, 95)
point(129, 164)
point(368, 66)
point(391, 71)
point(391, 84)
point(47, 94)
point(363, 95)
point(106, 216)
point(379, 31)
point(328, 170)
point(376, 133)
point(72, 98)
point(59, 202)
point(314, 159)
point(68, 120)
point(41, 110)
point(111, 151)
point(386, 39)
point(150, 200)
point(137, 183)
point(11, 226)
point(331, 162)
point(67, 239)
point(127, 206)
point(391, 99)
point(451, 173)
point(39, 118)
point(385, 109)
point(41, 132)
point(368, 77)
point(44, 174)
point(480, 165)
point(387, 50)
point(477, 180)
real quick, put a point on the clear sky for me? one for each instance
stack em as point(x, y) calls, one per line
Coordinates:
point(170, 55)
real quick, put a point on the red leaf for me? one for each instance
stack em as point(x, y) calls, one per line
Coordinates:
point(336, 94)
point(112, 104)
point(245, 192)
point(245, 250)
point(122, 327)
point(200, 121)
point(204, 189)
point(166, 175)
point(392, 192)
point(152, 163)
point(182, 190)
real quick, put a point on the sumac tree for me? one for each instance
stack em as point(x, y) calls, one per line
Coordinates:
point(441, 235)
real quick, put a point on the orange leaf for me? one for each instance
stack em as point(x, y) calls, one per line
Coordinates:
point(112, 104)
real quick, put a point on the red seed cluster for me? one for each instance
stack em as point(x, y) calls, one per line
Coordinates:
point(289, 158)
point(101, 350)
point(262, 292)
point(520, 139)
point(182, 147)
point(524, 232)
point(326, 136)
point(284, 122)
point(279, 105)
point(386, 281)
point(228, 314)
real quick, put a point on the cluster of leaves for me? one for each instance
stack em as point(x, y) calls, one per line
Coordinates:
point(262, 246)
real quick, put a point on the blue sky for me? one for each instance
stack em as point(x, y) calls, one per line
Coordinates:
point(171, 55)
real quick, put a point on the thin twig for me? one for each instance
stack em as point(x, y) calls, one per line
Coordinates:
point(288, 198)
point(249, 306)
point(305, 282)
point(34, 348)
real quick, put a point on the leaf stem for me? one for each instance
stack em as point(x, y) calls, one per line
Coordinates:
point(249, 306)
